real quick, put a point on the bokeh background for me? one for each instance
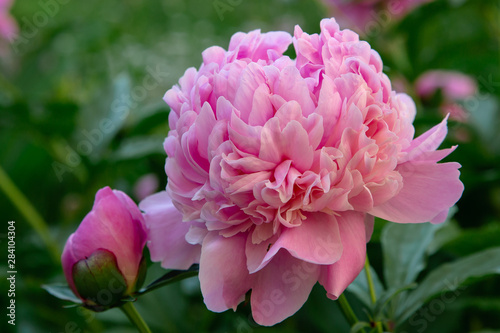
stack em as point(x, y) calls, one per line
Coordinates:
point(81, 107)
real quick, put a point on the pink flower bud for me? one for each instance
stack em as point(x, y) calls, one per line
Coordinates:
point(102, 258)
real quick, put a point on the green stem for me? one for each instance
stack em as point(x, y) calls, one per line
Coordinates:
point(371, 287)
point(347, 310)
point(373, 295)
point(29, 212)
point(135, 318)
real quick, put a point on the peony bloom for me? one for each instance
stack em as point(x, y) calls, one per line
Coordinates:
point(101, 260)
point(454, 87)
point(8, 26)
point(370, 16)
point(276, 168)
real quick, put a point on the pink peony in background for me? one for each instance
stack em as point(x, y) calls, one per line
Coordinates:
point(454, 86)
point(276, 168)
point(369, 16)
point(8, 26)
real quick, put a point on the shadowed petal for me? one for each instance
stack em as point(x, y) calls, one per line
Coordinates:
point(224, 277)
point(281, 288)
point(166, 233)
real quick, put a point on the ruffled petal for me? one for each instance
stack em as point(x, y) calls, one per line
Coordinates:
point(167, 233)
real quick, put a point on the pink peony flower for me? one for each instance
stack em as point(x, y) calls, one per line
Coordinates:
point(276, 168)
point(8, 26)
point(370, 16)
point(454, 86)
point(110, 236)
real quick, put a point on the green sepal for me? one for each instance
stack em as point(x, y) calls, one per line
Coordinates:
point(99, 281)
point(141, 274)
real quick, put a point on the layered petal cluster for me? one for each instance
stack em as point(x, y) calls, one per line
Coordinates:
point(371, 16)
point(276, 168)
point(108, 242)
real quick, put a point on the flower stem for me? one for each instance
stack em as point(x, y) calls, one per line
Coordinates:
point(371, 287)
point(29, 212)
point(135, 318)
point(373, 295)
point(347, 310)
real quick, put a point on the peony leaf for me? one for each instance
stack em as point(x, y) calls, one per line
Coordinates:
point(98, 128)
point(448, 278)
point(386, 297)
point(359, 287)
point(62, 291)
point(138, 147)
point(404, 249)
point(359, 327)
point(168, 278)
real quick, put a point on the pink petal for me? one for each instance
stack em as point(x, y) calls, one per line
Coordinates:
point(205, 124)
point(251, 79)
point(353, 233)
point(428, 189)
point(317, 240)
point(281, 288)
point(292, 87)
point(167, 232)
point(224, 277)
point(427, 142)
point(214, 54)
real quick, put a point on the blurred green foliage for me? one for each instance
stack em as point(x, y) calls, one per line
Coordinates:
point(80, 109)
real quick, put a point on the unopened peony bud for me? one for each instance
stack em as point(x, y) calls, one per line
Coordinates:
point(103, 259)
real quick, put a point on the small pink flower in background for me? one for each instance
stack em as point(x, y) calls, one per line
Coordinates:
point(276, 168)
point(8, 26)
point(369, 16)
point(454, 86)
point(145, 186)
point(109, 241)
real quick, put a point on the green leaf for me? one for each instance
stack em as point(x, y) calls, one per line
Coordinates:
point(62, 291)
point(404, 249)
point(474, 240)
point(448, 233)
point(449, 277)
point(168, 278)
point(104, 118)
point(388, 296)
point(137, 147)
point(359, 326)
point(359, 287)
